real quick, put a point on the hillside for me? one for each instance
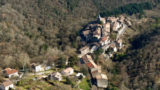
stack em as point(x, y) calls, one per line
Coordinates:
point(138, 67)
point(38, 27)
point(48, 31)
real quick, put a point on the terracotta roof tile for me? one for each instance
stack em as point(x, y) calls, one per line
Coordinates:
point(90, 65)
point(10, 71)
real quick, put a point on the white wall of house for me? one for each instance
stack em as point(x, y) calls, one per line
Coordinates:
point(121, 31)
point(97, 36)
point(120, 45)
point(7, 87)
point(13, 75)
point(10, 86)
point(58, 77)
point(39, 68)
point(115, 49)
point(71, 72)
point(48, 67)
point(102, 83)
point(105, 42)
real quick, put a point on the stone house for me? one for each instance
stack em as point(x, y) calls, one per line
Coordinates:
point(104, 40)
point(37, 68)
point(8, 72)
point(86, 34)
point(121, 31)
point(55, 76)
point(48, 67)
point(68, 71)
point(112, 19)
point(119, 42)
point(102, 81)
point(116, 26)
point(121, 18)
point(128, 22)
point(87, 59)
point(106, 29)
point(97, 33)
point(113, 46)
point(7, 85)
point(84, 50)
point(95, 71)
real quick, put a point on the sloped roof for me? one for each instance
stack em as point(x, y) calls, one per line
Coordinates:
point(107, 27)
point(10, 71)
point(67, 70)
point(90, 65)
point(112, 19)
point(7, 83)
point(104, 38)
point(101, 76)
point(89, 61)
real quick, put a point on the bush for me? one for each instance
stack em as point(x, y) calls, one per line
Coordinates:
point(69, 81)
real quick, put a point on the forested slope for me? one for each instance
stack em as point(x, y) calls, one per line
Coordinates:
point(44, 31)
point(37, 29)
point(138, 67)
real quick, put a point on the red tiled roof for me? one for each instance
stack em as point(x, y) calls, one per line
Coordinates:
point(103, 39)
point(88, 61)
point(90, 65)
point(10, 71)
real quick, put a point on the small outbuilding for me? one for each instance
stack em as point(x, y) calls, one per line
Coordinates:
point(68, 71)
point(102, 80)
point(8, 72)
point(7, 85)
point(37, 68)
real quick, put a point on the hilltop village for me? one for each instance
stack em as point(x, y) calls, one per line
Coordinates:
point(105, 34)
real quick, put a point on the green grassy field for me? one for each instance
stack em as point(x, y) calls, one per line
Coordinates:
point(84, 85)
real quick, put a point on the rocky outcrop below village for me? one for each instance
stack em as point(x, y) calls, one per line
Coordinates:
point(105, 34)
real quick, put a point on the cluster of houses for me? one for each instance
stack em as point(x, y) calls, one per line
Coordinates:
point(7, 85)
point(58, 76)
point(106, 34)
point(9, 74)
point(101, 79)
